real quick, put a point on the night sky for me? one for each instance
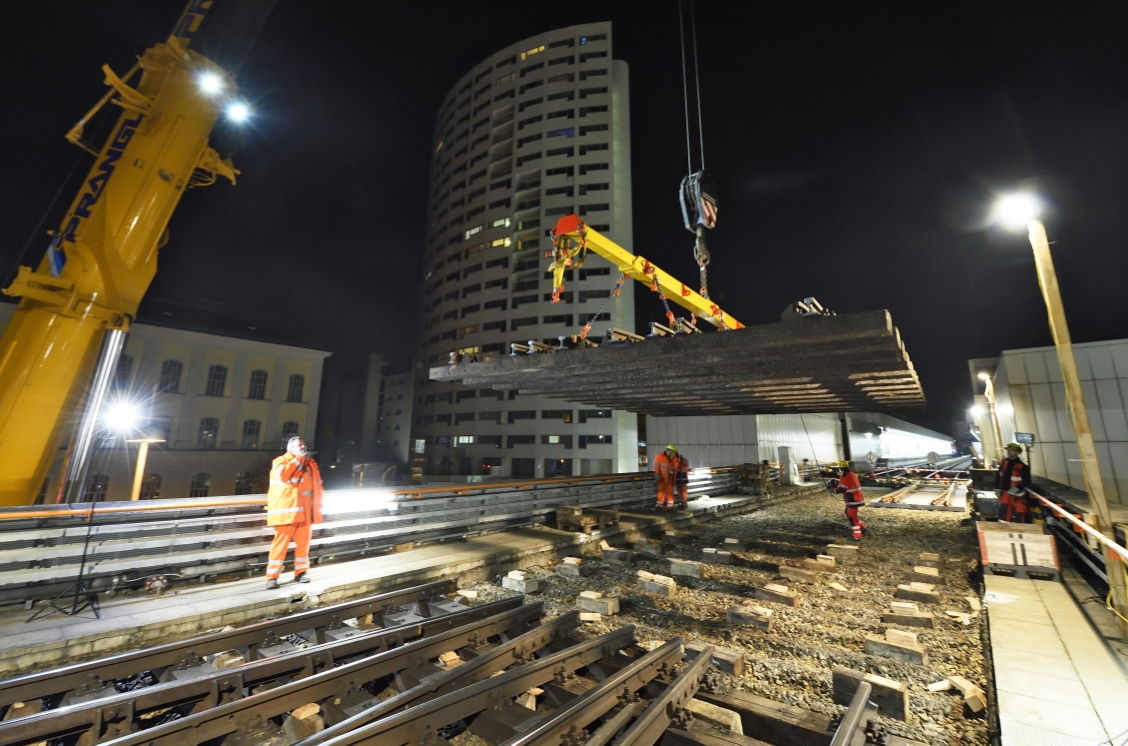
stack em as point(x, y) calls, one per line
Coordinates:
point(855, 151)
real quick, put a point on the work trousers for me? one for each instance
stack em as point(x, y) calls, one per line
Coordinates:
point(298, 533)
point(856, 524)
point(1013, 509)
point(665, 496)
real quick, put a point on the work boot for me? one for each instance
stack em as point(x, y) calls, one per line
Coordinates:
point(301, 577)
point(271, 583)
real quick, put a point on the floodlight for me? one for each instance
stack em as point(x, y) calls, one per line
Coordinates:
point(238, 111)
point(1014, 211)
point(122, 416)
point(976, 411)
point(210, 83)
point(984, 377)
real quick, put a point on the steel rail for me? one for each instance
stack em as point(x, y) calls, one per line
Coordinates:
point(851, 731)
point(419, 724)
point(88, 677)
point(118, 714)
point(669, 706)
point(337, 690)
point(568, 723)
point(515, 652)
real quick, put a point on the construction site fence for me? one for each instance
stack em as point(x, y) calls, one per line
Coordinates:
point(118, 545)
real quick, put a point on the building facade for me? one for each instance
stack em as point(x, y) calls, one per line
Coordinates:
point(1030, 399)
point(223, 405)
point(539, 130)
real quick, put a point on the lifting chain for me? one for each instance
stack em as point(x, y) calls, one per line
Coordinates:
point(594, 316)
point(648, 268)
point(701, 256)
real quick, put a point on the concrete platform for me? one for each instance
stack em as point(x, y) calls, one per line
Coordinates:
point(1056, 681)
point(136, 620)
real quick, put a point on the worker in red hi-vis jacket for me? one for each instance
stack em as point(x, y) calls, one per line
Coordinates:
point(671, 473)
point(1011, 484)
point(851, 490)
point(293, 505)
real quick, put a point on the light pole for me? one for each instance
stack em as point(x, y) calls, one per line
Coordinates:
point(125, 418)
point(990, 394)
point(1013, 212)
point(142, 457)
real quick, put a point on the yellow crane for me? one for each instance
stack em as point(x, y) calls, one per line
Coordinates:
point(60, 350)
point(572, 239)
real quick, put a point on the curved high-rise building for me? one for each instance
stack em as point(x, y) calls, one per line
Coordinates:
point(538, 130)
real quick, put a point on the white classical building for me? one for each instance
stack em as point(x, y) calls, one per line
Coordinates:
point(539, 130)
point(223, 404)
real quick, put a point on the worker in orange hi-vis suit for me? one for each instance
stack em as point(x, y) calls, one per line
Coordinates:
point(671, 473)
point(293, 505)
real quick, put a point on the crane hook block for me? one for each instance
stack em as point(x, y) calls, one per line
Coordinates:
point(698, 201)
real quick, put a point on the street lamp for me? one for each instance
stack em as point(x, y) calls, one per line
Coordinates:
point(1015, 211)
point(125, 417)
point(990, 394)
point(142, 457)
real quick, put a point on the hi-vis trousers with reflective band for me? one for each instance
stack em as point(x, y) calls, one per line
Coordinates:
point(299, 533)
point(666, 492)
point(856, 524)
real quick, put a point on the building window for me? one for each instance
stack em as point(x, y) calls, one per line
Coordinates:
point(524, 467)
point(251, 434)
point(209, 429)
point(594, 440)
point(289, 430)
point(258, 385)
point(521, 440)
point(596, 414)
point(522, 414)
point(296, 389)
point(122, 374)
point(96, 487)
point(170, 377)
point(556, 414)
point(244, 483)
point(151, 487)
point(201, 484)
point(217, 381)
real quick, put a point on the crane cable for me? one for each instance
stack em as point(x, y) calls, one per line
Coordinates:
point(700, 253)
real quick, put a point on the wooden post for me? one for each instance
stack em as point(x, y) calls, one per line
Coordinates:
point(139, 476)
point(1079, 415)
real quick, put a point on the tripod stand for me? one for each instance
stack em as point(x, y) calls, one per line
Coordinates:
point(81, 596)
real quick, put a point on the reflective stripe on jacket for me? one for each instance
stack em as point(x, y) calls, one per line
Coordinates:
point(851, 489)
point(293, 503)
point(1013, 474)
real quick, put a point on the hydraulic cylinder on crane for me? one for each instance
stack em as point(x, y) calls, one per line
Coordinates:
point(103, 257)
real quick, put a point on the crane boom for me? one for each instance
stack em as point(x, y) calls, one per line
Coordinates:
point(573, 238)
point(103, 257)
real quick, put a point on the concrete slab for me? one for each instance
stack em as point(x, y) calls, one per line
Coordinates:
point(1056, 683)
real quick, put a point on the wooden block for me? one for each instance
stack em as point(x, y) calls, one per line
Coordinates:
point(228, 659)
point(974, 603)
point(645, 575)
point(901, 637)
point(407, 546)
point(617, 556)
point(842, 552)
point(572, 561)
point(306, 711)
point(926, 587)
point(603, 544)
point(942, 685)
point(816, 566)
point(727, 720)
point(663, 579)
point(838, 587)
point(974, 697)
point(776, 588)
point(875, 645)
point(517, 574)
point(914, 618)
point(924, 570)
point(914, 594)
point(662, 589)
point(785, 597)
point(606, 606)
point(590, 616)
point(929, 557)
point(468, 594)
point(590, 594)
point(298, 729)
point(755, 616)
point(915, 576)
point(797, 573)
point(527, 700)
point(891, 697)
point(901, 606)
point(724, 659)
point(569, 510)
point(826, 559)
point(687, 568)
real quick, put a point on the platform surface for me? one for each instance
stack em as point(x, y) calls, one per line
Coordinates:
point(1056, 681)
point(132, 621)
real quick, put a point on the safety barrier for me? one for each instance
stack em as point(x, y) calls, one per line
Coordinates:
point(118, 544)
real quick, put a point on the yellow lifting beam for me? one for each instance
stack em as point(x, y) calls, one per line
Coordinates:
point(572, 239)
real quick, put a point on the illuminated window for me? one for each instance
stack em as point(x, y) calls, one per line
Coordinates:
point(531, 52)
point(500, 223)
point(464, 440)
point(507, 241)
point(200, 485)
point(474, 350)
point(209, 429)
point(472, 231)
